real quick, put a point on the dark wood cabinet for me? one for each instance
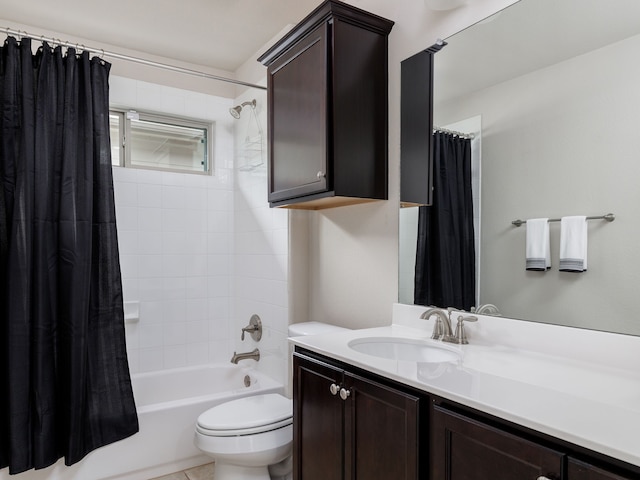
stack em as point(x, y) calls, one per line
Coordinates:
point(350, 427)
point(350, 424)
point(466, 449)
point(318, 417)
point(328, 107)
point(416, 128)
point(416, 120)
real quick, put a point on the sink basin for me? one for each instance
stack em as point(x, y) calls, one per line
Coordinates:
point(407, 349)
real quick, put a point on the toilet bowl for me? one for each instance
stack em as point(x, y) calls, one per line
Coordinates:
point(251, 438)
point(246, 436)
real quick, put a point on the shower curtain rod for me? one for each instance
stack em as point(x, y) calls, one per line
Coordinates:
point(469, 136)
point(119, 56)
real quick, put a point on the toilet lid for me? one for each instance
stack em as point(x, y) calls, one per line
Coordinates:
point(248, 413)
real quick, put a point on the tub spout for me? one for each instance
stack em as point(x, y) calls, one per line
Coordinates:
point(255, 355)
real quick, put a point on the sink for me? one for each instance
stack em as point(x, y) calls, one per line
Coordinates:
point(407, 349)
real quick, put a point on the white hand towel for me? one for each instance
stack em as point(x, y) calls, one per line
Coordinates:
point(538, 255)
point(573, 244)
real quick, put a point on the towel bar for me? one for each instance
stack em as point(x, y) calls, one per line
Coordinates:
point(609, 217)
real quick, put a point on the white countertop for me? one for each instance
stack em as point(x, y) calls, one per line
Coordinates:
point(576, 385)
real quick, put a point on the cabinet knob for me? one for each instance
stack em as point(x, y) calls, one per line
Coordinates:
point(344, 394)
point(334, 389)
point(321, 174)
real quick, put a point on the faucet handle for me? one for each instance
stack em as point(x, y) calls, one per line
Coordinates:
point(460, 335)
point(254, 328)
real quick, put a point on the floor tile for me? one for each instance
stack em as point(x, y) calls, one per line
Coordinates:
point(172, 476)
point(203, 472)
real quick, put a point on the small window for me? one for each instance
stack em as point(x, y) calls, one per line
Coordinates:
point(143, 140)
point(117, 138)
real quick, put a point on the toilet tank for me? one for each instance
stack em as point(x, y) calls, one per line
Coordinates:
point(313, 328)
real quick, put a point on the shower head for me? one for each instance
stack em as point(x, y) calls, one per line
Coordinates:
point(235, 111)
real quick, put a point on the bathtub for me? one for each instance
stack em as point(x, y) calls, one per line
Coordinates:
point(168, 404)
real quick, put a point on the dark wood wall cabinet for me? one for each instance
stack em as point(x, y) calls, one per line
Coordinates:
point(350, 424)
point(416, 128)
point(328, 110)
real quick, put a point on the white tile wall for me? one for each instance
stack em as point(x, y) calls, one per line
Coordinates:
point(164, 247)
point(172, 261)
point(261, 261)
point(200, 253)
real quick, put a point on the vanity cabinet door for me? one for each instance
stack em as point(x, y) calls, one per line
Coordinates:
point(465, 449)
point(381, 428)
point(583, 471)
point(318, 439)
point(359, 430)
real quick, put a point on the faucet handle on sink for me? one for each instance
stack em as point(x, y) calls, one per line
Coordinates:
point(460, 336)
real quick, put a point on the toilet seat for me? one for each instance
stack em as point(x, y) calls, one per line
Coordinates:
point(246, 416)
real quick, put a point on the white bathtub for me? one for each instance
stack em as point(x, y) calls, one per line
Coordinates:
point(168, 404)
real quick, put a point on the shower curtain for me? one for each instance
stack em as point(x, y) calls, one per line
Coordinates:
point(445, 273)
point(65, 388)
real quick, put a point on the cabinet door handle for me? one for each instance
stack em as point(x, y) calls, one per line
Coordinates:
point(334, 389)
point(344, 394)
point(320, 174)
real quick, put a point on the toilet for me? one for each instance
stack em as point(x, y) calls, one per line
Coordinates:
point(251, 438)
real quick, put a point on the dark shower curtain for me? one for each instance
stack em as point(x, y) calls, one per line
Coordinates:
point(65, 388)
point(445, 274)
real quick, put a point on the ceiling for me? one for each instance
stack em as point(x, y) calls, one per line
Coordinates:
point(220, 34)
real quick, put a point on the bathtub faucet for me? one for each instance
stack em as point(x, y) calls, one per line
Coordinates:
point(255, 355)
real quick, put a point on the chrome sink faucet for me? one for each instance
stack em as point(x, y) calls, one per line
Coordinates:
point(442, 328)
point(486, 309)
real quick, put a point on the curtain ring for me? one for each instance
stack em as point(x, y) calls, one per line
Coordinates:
point(102, 56)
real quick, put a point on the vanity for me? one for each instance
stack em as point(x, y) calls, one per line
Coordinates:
point(522, 401)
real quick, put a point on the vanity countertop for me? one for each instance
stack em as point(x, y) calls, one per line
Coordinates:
point(579, 386)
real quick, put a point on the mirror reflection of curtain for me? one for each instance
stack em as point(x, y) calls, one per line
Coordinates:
point(445, 257)
point(65, 388)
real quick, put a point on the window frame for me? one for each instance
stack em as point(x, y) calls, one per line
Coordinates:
point(126, 115)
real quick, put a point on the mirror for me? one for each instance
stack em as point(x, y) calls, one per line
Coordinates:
point(556, 84)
